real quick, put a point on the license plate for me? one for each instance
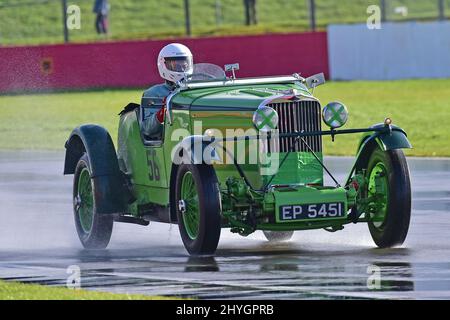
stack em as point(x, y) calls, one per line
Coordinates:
point(311, 211)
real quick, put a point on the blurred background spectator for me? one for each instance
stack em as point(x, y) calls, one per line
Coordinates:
point(250, 12)
point(101, 9)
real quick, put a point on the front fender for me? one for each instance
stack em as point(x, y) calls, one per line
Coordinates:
point(110, 191)
point(195, 149)
point(390, 140)
point(394, 139)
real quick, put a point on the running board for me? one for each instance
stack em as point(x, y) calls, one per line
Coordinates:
point(130, 219)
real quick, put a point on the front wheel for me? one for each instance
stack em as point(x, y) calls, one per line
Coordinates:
point(198, 208)
point(94, 230)
point(388, 192)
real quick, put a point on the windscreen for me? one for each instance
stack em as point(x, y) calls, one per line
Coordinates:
point(207, 72)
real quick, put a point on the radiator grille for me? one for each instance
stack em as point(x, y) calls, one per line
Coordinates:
point(298, 116)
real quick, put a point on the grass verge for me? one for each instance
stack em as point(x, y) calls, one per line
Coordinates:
point(150, 19)
point(21, 291)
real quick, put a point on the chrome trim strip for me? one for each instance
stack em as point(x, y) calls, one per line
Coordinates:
point(245, 81)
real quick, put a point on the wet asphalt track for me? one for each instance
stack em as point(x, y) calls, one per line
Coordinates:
point(38, 242)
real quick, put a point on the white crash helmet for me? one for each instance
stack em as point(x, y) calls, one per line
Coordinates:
point(175, 61)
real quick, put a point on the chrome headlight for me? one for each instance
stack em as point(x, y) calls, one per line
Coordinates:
point(265, 119)
point(335, 115)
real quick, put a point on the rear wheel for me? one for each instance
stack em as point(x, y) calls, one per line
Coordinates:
point(389, 194)
point(94, 230)
point(198, 208)
point(278, 236)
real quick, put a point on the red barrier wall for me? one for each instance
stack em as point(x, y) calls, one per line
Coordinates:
point(133, 63)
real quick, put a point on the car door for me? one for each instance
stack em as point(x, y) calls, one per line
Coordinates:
point(154, 147)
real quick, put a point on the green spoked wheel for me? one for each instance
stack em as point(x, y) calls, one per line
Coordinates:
point(198, 208)
point(189, 205)
point(94, 230)
point(84, 200)
point(378, 190)
point(388, 193)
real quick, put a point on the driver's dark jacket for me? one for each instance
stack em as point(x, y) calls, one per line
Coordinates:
point(151, 104)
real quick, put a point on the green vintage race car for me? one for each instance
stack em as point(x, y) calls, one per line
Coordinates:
point(244, 154)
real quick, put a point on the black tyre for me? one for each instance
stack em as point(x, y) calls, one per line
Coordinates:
point(278, 236)
point(94, 230)
point(389, 188)
point(198, 207)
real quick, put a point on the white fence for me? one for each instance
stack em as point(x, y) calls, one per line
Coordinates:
point(397, 51)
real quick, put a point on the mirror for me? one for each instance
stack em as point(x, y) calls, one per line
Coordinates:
point(230, 67)
point(233, 68)
point(315, 80)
